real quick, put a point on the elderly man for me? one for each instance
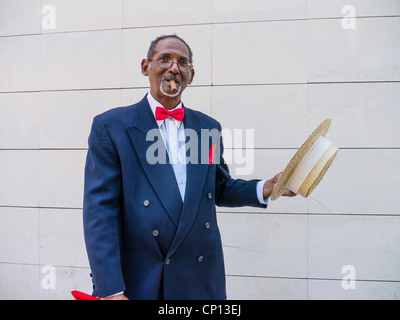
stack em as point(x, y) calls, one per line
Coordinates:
point(150, 227)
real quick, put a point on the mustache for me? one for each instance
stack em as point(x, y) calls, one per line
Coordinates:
point(172, 77)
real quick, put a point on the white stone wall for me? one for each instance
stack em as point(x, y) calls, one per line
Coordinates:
point(279, 67)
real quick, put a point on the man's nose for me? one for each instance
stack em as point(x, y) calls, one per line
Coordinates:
point(174, 68)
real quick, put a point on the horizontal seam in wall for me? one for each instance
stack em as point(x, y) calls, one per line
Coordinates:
point(210, 23)
point(228, 275)
point(209, 86)
point(300, 278)
point(44, 149)
point(244, 149)
point(39, 207)
point(232, 212)
point(304, 19)
point(322, 214)
point(40, 265)
point(299, 83)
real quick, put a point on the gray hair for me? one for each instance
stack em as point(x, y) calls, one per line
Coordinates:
point(153, 46)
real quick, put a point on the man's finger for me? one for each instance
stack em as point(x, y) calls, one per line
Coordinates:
point(289, 193)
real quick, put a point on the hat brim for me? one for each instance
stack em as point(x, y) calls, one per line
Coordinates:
point(315, 176)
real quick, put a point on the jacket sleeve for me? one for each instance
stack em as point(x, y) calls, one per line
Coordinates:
point(234, 192)
point(101, 212)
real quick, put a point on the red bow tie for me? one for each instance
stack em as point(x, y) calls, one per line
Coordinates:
point(162, 114)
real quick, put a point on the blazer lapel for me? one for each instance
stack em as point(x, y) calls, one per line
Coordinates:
point(160, 175)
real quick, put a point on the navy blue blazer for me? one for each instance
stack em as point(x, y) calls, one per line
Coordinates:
point(140, 237)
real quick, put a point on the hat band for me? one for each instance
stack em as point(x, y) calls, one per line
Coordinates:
point(306, 164)
point(318, 171)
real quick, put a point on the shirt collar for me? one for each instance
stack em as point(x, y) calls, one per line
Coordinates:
point(154, 104)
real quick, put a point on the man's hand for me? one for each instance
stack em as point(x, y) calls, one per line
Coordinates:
point(120, 296)
point(270, 184)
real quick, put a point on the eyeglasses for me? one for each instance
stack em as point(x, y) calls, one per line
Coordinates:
point(166, 63)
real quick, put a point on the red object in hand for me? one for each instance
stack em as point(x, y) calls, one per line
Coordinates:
point(82, 296)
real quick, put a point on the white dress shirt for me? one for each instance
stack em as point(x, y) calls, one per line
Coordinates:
point(173, 133)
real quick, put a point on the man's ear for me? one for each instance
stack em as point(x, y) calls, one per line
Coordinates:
point(145, 67)
point(191, 76)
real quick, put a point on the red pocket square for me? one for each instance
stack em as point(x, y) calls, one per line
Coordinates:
point(211, 155)
point(82, 296)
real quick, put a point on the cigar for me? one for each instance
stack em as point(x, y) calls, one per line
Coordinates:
point(173, 86)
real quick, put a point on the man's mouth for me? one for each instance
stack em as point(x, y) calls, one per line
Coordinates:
point(172, 87)
point(169, 81)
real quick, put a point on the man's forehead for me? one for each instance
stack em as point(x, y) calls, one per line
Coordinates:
point(172, 45)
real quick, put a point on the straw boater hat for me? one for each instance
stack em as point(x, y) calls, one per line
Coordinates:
point(308, 166)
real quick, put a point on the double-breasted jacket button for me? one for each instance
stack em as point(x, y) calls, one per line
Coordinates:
point(209, 195)
point(146, 203)
point(155, 233)
point(207, 225)
point(200, 259)
point(168, 261)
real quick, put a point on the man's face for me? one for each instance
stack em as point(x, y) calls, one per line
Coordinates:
point(160, 86)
